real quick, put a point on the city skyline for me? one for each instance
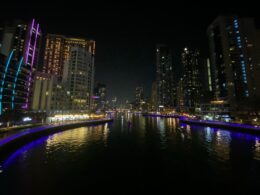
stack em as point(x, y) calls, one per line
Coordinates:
point(126, 42)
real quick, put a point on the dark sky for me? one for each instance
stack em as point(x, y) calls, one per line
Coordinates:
point(126, 33)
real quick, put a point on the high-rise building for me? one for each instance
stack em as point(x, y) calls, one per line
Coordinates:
point(191, 80)
point(232, 42)
point(20, 43)
point(205, 79)
point(100, 97)
point(180, 95)
point(24, 39)
point(43, 89)
point(13, 84)
point(139, 96)
point(57, 52)
point(166, 89)
point(154, 96)
point(80, 79)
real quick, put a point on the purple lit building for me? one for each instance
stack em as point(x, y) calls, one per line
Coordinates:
point(20, 45)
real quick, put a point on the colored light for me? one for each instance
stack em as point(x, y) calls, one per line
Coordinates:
point(29, 43)
point(3, 79)
point(32, 60)
point(15, 80)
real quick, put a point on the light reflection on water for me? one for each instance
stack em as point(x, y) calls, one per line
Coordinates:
point(155, 144)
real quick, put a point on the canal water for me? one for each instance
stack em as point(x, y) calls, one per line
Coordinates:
point(134, 155)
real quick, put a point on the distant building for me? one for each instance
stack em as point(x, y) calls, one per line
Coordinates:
point(165, 80)
point(180, 96)
point(235, 65)
point(139, 97)
point(57, 52)
point(154, 97)
point(100, 97)
point(191, 79)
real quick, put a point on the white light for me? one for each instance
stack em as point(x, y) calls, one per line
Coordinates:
point(27, 119)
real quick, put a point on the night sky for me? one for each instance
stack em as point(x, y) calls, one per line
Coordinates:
point(126, 34)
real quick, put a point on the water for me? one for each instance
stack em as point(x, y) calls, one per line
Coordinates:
point(135, 155)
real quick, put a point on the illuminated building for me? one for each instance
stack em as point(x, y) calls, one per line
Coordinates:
point(80, 79)
point(232, 42)
point(191, 80)
point(43, 91)
point(154, 97)
point(166, 89)
point(57, 52)
point(100, 100)
point(19, 59)
point(139, 98)
point(180, 96)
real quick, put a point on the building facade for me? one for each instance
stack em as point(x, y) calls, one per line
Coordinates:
point(43, 91)
point(166, 88)
point(100, 97)
point(191, 78)
point(21, 42)
point(57, 52)
point(233, 48)
point(139, 97)
point(80, 79)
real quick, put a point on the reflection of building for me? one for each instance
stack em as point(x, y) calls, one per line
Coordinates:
point(166, 91)
point(57, 52)
point(80, 78)
point(191, 82)
point(232, 43)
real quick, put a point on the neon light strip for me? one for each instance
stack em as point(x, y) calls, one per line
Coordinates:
point(29, 43)
point(32, 60)
point(15, 80)
point(3, 79)
point(34, 47)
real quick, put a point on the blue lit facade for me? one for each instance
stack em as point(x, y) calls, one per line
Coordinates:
point(13, 80)
point(232, 43)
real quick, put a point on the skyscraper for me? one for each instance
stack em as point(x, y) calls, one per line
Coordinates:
point(80, 78)
point(139, 97)
point(154, 96)
point(20, 52)
point(232, 42)
point(24, 39)
point(166, 89)
point(57, 52)
point(191, 82)
point(100, 97)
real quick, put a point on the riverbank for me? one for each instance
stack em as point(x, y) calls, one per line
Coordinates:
point(219, 124)
point(162, 115)
point(18, 139)
point(225, 125)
